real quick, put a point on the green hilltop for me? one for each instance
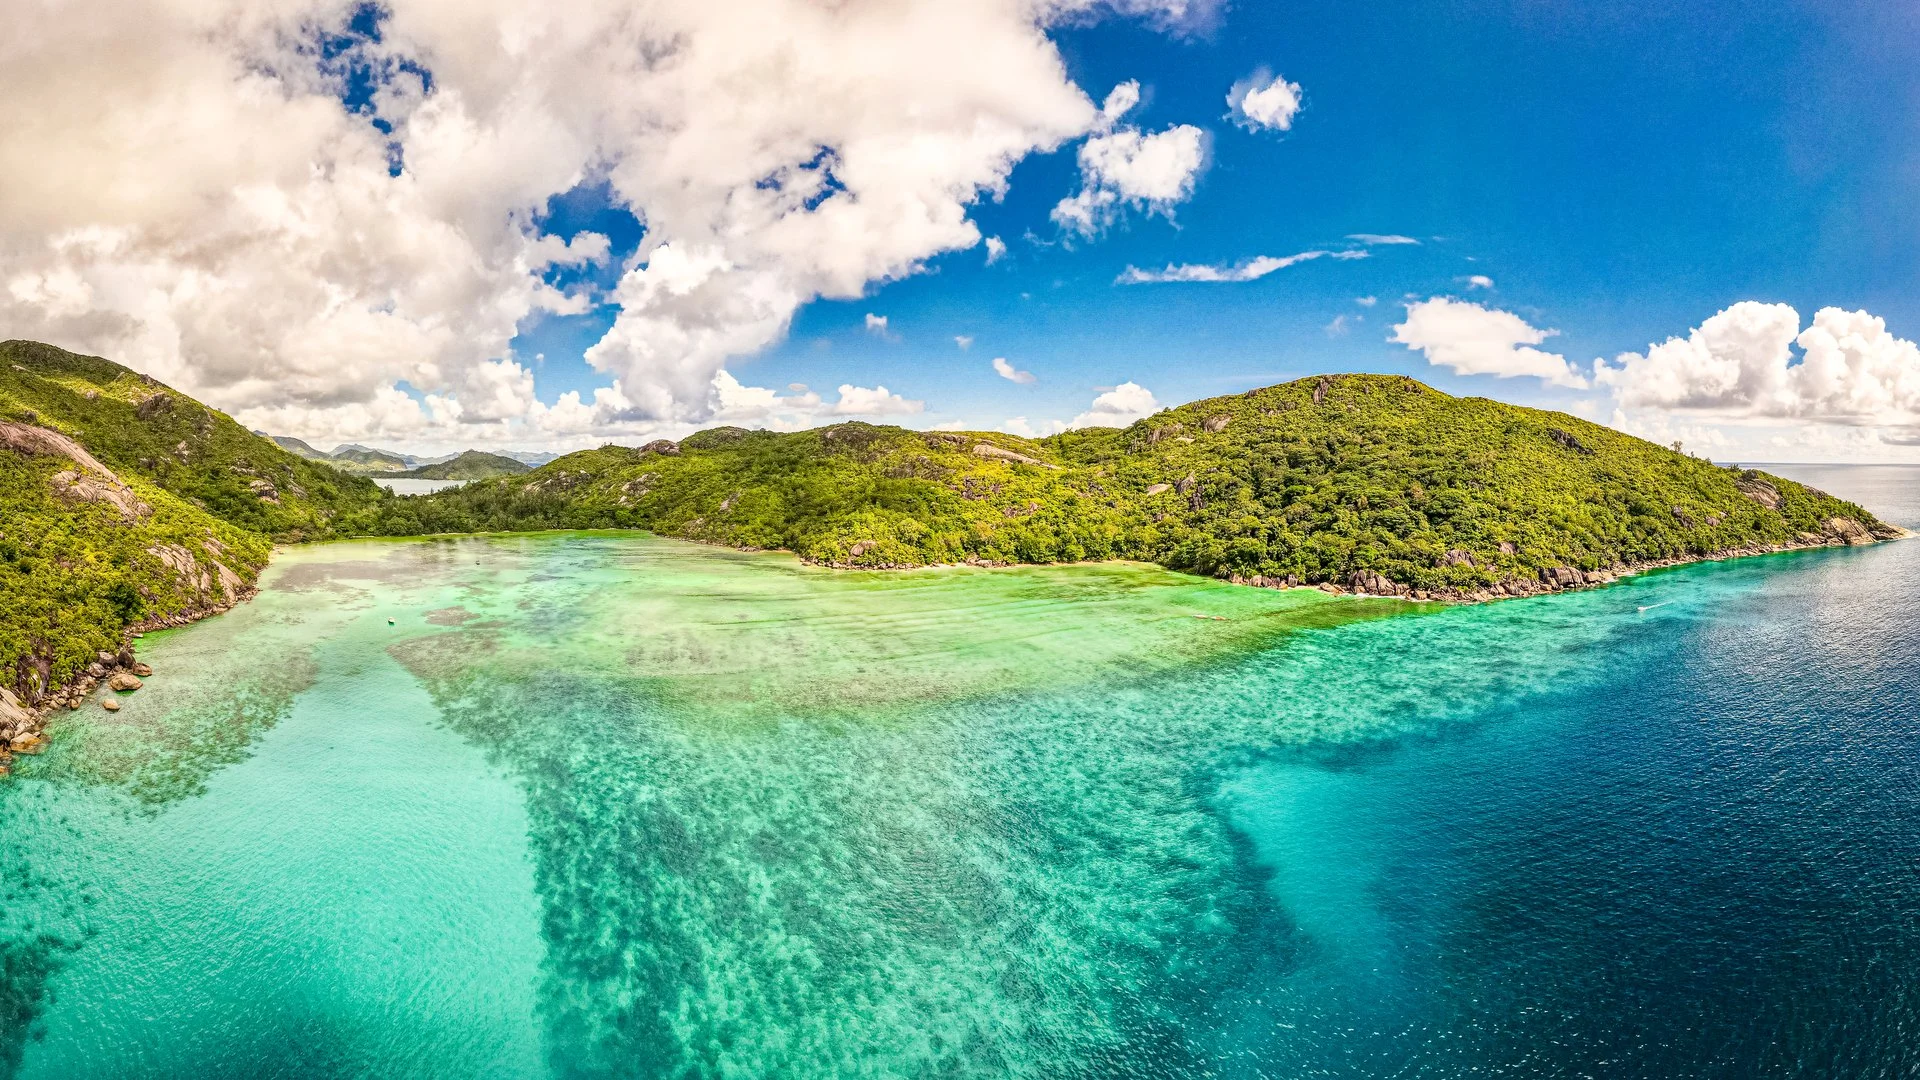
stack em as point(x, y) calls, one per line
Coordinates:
point(125, 504)
point(366, 459)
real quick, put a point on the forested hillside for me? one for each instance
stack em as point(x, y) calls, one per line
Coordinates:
point(1353, 479)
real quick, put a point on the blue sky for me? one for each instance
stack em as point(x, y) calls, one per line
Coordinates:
point(1620, 172)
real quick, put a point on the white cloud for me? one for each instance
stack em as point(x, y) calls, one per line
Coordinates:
point(874, 401)
point(1019, 425)
point(740, 404)
point(1366, 301)
point(1009, 372)
point(584, 249)
point(996, 250)
point(1471, 339)
point(265, 254)
point(1124, 168)
point(1740, 365)
point(1120, 101)
point(1249, 270)
point(1264, 101)
point(1380, 238)
point(965, 341)
point(1479, 281)
point(1118, 407)
point(1340, 325)
point(876, 324)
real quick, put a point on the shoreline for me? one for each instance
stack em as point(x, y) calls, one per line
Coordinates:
point(1565, 578)
point(1842, 532)
point(23, 725)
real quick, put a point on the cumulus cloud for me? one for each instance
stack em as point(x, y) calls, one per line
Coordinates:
point(1126, 168)
point(1366, 301)
point(996, 250)
point(186, 191)
point(965, 341)
point(1021, 426)
point(1264, 101)
point(1120, 101)
point(874, 401)
point(876, 324)
point(1741, 364)
point(1249, 270)
point(1118, 407)
point(1009, 372)
point(1479, 281)
point(1471, 339)
point(740, 404)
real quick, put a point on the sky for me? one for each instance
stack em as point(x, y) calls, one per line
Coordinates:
point(440, 224)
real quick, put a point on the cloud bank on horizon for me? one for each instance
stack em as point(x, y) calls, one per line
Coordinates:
point(331, 220)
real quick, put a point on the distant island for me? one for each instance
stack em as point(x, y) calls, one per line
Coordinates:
point(125, 505)
point(469, 465)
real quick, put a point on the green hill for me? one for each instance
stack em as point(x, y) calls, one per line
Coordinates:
point(1357, 480)
point(366, 459)
point(295, 446)
point(125, 503)
point(470, 465)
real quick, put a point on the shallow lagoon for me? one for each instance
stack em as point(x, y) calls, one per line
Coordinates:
point(598, 805)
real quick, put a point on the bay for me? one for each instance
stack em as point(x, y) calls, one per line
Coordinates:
point(606, 805)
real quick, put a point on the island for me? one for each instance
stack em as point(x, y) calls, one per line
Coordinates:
point(126, 505)
point(467, 465)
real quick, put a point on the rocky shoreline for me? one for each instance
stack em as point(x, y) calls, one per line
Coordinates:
point(1839, 532)
point(23, 725)
point(1836, 532)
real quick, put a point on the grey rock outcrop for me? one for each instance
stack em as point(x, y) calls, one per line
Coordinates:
point(1759, 491)
point(988, 450)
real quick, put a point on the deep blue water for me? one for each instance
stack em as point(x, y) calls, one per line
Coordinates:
point(608, 806)
point(1705, 861)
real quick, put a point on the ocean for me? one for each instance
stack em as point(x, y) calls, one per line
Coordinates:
point(595, 805)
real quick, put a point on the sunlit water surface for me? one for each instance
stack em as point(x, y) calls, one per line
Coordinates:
point(603, 805)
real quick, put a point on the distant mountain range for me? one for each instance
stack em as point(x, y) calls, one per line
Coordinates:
point(372, 460)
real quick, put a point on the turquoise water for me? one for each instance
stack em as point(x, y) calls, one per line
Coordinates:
point(595, 805)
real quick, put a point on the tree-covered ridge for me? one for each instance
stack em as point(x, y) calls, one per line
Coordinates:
point(1317, 480)
point(138, 426)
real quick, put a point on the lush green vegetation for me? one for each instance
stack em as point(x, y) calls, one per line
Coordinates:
point(184, 515)
point(470, 465)
point(1318, 479)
